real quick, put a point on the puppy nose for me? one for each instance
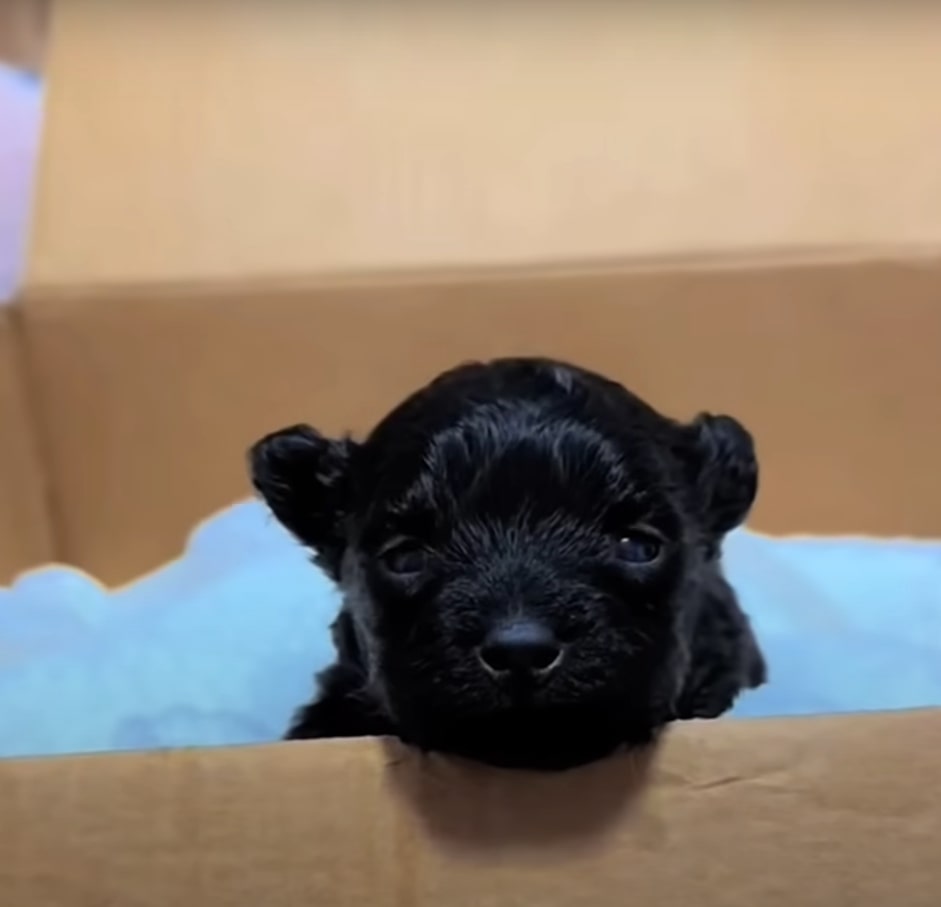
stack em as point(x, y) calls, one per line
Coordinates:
point(521, 647)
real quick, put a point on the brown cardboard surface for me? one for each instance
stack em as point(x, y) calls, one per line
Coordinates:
point(208, 166)
point(218, 177)
point(26, 535)
point(149, 397)
point(231, 138)
point(23, 32)
point(815, 812)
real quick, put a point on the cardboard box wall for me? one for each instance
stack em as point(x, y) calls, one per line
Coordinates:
point(26, 533)
point(23, 33)
point(152, 395)
point(246, 218)
point(814, 812)
point(254, 214)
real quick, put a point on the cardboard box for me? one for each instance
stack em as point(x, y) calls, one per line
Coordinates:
point(814, 812)
point(149, 396)
point(253, 214)
point(23, 33)
point(26, 527)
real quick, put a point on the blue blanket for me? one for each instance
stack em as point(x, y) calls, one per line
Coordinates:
point(220, 646)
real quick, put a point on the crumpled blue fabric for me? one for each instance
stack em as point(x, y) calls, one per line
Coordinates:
point(221, 646)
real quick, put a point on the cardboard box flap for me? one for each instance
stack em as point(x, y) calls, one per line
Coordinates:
point(230, 140)
point(814, 812)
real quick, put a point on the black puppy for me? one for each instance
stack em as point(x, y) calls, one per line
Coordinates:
point(530, 562)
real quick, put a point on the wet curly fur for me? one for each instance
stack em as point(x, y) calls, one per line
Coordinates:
point(522, 490)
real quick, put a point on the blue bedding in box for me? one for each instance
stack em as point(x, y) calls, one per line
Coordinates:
point(220, 646)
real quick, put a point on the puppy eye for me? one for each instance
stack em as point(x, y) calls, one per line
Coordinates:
point(404, 559)
point(639, 548)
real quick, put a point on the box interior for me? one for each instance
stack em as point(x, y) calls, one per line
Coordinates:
point(246, 220)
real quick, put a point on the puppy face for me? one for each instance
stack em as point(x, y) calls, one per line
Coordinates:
point(523, 548)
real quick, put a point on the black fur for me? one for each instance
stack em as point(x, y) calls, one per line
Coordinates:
point(522, 488)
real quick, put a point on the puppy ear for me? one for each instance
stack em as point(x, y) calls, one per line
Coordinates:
point(304, 477)
point(723, 469)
